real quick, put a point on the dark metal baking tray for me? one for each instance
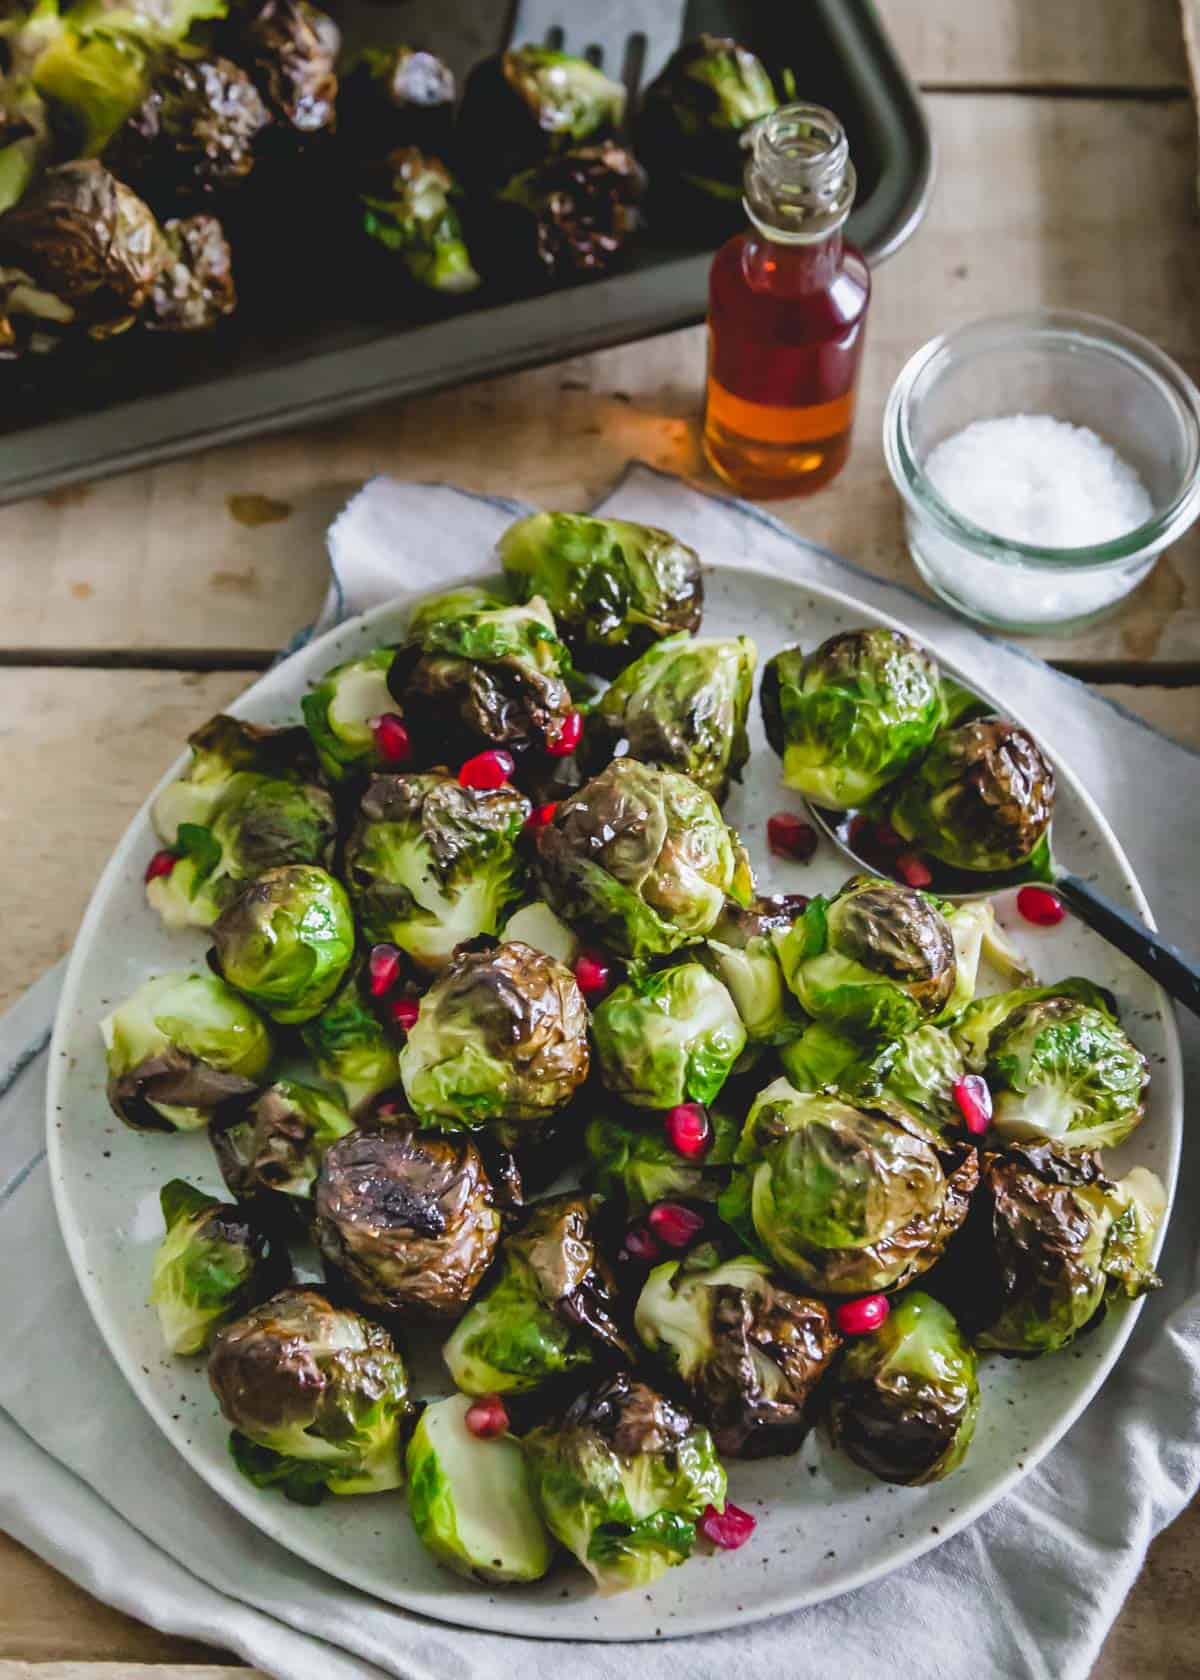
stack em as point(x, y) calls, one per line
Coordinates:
point(295, 354)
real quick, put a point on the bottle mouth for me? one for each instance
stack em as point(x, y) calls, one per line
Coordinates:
point(799, 179)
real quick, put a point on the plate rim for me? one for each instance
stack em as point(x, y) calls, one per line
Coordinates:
point(487, 1613)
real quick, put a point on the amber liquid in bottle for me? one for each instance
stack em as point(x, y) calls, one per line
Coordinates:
point(787, 314)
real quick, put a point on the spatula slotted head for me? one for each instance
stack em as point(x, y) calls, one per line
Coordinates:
point(630, 40)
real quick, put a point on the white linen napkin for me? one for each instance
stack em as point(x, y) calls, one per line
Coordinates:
point(1028, 1592)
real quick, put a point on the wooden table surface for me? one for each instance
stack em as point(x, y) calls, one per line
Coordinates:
point(133, 609)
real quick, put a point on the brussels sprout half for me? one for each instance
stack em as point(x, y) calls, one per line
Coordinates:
point(193, 132)
point(749, 1352)
point(569, 217)
point(551, 1307)
point(846, 1195)
point(681, 704)
point(290, 48)
point(431, 864)
point(177, 1048)
point(211, 1265)
point(622, 1479)
point(530, 103)
point(740, 951)
point(850, 717)
point(286, 940)
point(196, 287)
point(667, 1037)
point(351, 1049)
point(274, 1150)
point(905, 1399)
point(221, 748)
point(317, 1397)
point(628, 1155)
point(340, 709)
point(615, 588)
point(470, 1500)
point(696, 112)
point(409, 210)
point(395, 96)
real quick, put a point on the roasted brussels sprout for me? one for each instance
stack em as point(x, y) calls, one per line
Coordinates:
point(905, 1399)
point(629, 1156)
point(408, 1220)
point(396, 96)
point(88, 243)
point(290, 49)
point(179, 1047)
point(431, 864)
point(550, 1309)
point(531, 102)
point(1059, 1067)
point(981, 798)
point(91, 83)
point(851, 716)
point(351, 1049)
point(286, 940)
point(846, 1196)
point(667, 1037)
point(501, 1037)
point(220, 749)
point(340, 710)
point(317, 1396)
point(1056, 1239)
point(273, 1151)
point(622, 1479)
point(482, 676)
point(470, 1499)
point(741, 952)
point(570, 217)
point(408, 208)
point(614, 588)
point(681, 704)
point(211, 1265)
point(193, 133)
point(749, 1352)
point(696, 111)
point(876, 959)
point(196, 288)
point(259, 823)
point(154, 23)
point(639, 856)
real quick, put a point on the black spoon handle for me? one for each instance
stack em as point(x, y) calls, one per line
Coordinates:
point(1174, 970)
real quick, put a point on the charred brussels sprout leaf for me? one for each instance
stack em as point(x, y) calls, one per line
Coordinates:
point(641, 857)
point(275, 1149)
point(290, 49)
point(667, 1037)
point(409, 1221)
point(981, 798)
point(622, 1479)
point(396, 96)
point(749, 1352)
point(906, 1398)
point(351, 1049)
point(501, 1037)
point(629, 1156)
point(741, 952)
point(340, 709)
point(220, 749)
point(529, 103)
point(850, 717)
point(614, 587)
point(195, 290)
point(211, 1265)
point(431, 864)
point(410, 211)
point(846, 1196)
point(470, 1500)
point(286, 940)
point(570, 217)
point(473, 676)
point(193, 133)
point(179, 1047)
point(1059, 1239)
point(550, 1309)
point(681, 704)
point(876, 959)
point(317, 1397)
point(696, 110)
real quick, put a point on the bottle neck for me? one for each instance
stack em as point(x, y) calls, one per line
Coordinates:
point(786, 268)
point(799, 180)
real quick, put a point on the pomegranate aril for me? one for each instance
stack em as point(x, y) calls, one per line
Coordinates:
point(161, 864)
point(487, 1417)
point(674, 1225)
point(727, 1529)
point(886, 838)
point(859, 1318)
point(640, 1245)
point(1039, 906)
point(860, 833)
point(392, 740)
point(790, 836)
point(912, 870)
point(569, 735)
point(974, 1101)
point(592, 973)
point(404, 1012)
point(541, 816)
point(688, 1130)
point(486, 770)
point(383, 969)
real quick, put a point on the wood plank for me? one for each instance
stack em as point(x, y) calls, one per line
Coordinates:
point(155, 560)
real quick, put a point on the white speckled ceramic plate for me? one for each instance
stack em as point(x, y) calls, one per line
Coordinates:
point(824, 1527)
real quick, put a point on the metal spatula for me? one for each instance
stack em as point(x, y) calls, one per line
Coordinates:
point(630, 40)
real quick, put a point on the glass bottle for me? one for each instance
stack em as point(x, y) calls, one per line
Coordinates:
point(787, 314)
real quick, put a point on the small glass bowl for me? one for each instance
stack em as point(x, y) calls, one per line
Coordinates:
point(1075, 367)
